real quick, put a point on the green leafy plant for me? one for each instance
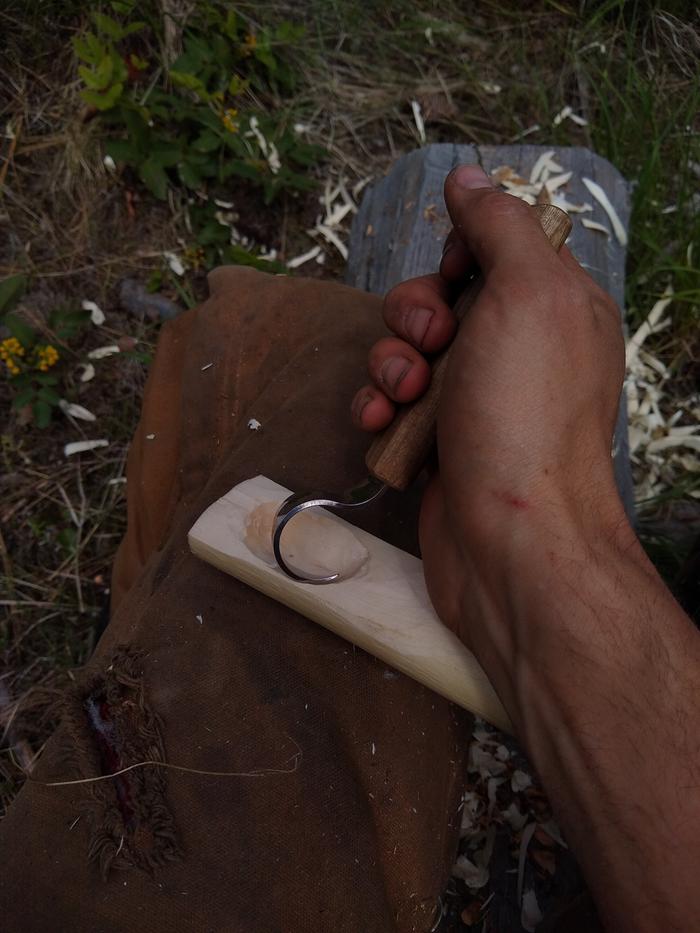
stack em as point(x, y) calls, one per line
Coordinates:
point(213, 242)
point(201, 121)
point(32, 366)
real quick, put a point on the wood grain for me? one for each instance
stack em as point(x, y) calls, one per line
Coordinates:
point(385, 609)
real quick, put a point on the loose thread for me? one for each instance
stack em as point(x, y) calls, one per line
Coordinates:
point(260, 772)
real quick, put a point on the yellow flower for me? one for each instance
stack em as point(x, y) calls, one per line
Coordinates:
point(249, 44)
point(45, 358)
point(10, 351)
point(228, 118)
point(194, 257)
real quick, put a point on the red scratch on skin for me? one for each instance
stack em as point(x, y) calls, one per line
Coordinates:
point(514, 501)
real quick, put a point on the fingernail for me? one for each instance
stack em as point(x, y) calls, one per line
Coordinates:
point(417, 323)
point(471, 176)
point(360, 405)
point(393, 371)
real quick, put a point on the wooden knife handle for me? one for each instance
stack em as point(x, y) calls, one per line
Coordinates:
point(398, 454)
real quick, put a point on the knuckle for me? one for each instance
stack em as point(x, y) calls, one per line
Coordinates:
point(396, 299)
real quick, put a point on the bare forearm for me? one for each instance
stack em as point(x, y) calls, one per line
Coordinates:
point(607, 686)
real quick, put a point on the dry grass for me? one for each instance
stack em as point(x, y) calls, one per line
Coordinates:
point(77, 231)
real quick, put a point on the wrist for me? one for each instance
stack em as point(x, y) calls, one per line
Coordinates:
point(551, 587)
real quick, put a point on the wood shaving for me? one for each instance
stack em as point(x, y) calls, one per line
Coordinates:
point(520, 781)
point(500, 798)
point(556, 181)
point(530, 916)
point(567, 113)
point(594, 225)
point(546, 178)
point(526, 132)
point(339, 204)
point(540, 165)
point(266, 146)
point(331, 237)
point(174, 264)
point(303, 257)
point(659, 441)
point(559, 200)
point(474, 876)
point(602, 198)
point(97, 315)
point(505, 173)
point(525, 839)
point(76, 411)
point(101, 352)
point(418, 120)
point(79, 447)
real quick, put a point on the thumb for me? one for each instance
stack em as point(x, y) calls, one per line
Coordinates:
point(497, 229)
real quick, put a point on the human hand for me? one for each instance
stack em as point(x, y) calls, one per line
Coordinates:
point(528, 555)
point(526, 417)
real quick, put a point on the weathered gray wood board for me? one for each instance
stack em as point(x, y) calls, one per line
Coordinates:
point(401, 226)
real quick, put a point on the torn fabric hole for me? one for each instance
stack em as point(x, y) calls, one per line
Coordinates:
point(110, 726)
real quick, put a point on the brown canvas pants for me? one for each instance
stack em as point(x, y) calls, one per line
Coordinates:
point(343, 814)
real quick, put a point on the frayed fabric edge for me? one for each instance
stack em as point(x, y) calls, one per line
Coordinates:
point(107, 725)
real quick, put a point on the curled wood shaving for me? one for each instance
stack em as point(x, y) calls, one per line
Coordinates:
point(88, 372)
point(662, 447)
point(651, 325)
point(100, 353)
point(594, 225)
point(602, 198)
point(97, 315)
point(562, 115)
